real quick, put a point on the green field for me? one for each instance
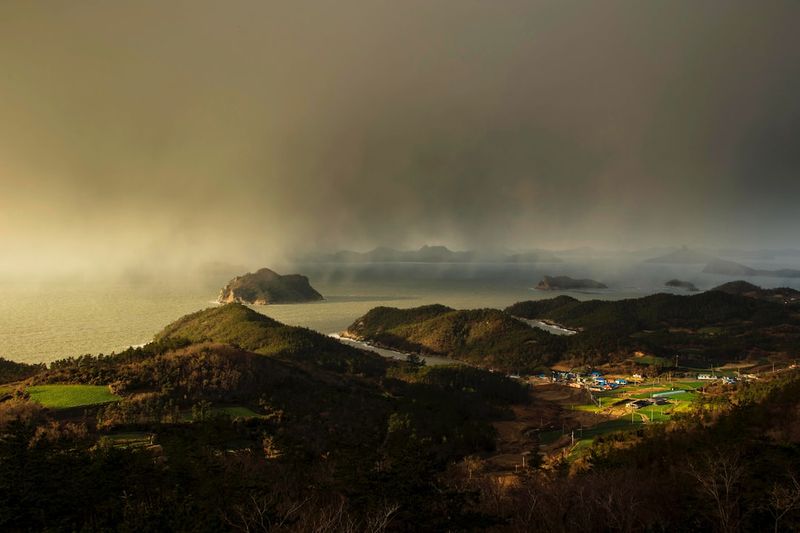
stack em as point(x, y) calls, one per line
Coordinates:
point(66, 396)
point(236, 411)
point(658, 413)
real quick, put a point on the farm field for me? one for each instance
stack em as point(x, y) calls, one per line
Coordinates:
point(618, 417)
point(236, 411)
point(67, 396)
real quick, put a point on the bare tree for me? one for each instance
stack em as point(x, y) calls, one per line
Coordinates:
point(262, 513)
point(718, 473)
point(784, 499)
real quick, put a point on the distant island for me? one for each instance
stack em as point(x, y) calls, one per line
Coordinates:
point(432, 254)
point(678, 284)
point(730, 268)
point(265, 287)
point(563, 283)
point(682, 256)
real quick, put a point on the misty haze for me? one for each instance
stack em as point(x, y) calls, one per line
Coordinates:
point(399, 266)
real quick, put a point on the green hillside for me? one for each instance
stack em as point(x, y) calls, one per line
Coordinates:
point(713, 326)
point(238, 325)
point(229, 412)
point(485, 337)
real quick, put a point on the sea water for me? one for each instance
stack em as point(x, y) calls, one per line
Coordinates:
point(44, 321)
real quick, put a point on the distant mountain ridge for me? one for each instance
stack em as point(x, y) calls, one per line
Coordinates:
point(682, 256)
point(433, 254)
point(731, 268)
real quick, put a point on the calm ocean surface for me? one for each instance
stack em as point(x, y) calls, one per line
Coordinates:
point(40, 322)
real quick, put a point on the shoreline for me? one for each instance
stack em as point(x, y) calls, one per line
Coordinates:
point(548, 325)
point(391, 353)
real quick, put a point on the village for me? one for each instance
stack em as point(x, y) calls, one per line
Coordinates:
point(574, 406)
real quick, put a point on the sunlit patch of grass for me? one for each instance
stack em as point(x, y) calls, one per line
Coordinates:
point(236, 411)
point(67, 396)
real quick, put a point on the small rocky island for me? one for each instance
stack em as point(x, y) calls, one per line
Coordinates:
point(678, 284)
point(564, 283)
point(265, 287)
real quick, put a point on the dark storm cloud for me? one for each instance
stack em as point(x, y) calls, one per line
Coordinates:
point(199, 129)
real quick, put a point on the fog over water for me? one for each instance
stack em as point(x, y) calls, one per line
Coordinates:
point(151, 150)
point(44, 321)
point(146, 133)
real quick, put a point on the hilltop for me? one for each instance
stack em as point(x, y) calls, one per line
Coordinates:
point(238, 325)
point(265, 287)
point(784, 295)
point(484, 337)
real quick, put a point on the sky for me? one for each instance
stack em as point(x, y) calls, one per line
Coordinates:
point(171, 131)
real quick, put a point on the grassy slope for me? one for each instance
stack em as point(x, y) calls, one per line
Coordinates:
point(66, 396)
point(239, 325)
point(485, 337)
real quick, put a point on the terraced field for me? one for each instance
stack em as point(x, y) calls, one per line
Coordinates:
point(611, 407)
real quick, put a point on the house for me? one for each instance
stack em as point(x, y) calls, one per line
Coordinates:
point(621, 381)
point(706, 377)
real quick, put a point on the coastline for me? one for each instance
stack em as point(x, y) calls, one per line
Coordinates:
point(390, 353)
point(548, 325)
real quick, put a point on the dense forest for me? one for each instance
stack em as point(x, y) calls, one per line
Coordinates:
point(222, 424)
point(278, 428)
